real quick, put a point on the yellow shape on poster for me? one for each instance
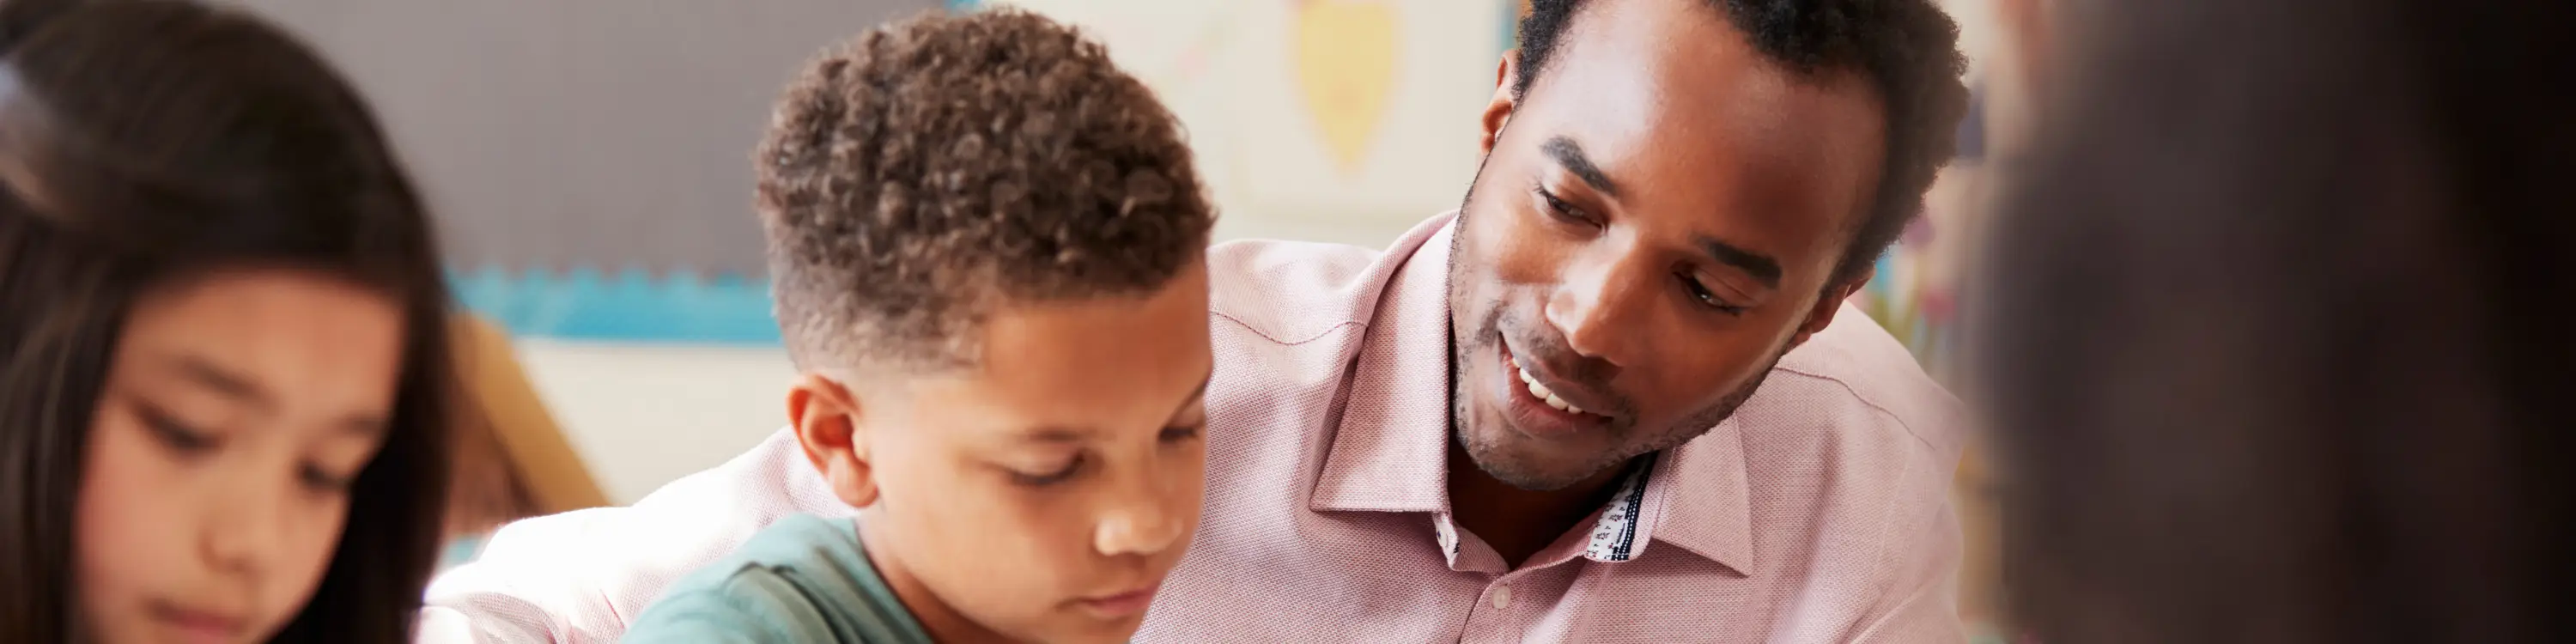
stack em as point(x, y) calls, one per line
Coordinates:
point(1346, 65)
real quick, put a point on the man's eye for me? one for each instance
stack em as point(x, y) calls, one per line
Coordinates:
point(1178, 434)
point(1559, 208)
point(1071, 466)
point(1707, 297)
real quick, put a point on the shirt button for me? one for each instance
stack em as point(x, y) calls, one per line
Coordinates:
point(1502, 597)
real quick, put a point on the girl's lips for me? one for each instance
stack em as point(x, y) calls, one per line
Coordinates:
point(199, 625)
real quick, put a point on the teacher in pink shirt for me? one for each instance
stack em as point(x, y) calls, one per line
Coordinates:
point(1615, 397)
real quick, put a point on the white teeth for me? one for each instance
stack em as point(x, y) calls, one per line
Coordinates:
point(1558, 403)
point(1540, 391)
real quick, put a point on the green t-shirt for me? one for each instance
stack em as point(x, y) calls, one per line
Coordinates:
point(802, 579)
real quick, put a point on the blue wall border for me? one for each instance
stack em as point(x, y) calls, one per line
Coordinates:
point(628, 306)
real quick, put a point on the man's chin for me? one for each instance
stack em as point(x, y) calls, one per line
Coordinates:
point(1514, 461)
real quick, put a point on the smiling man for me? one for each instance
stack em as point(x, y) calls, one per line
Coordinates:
point(1615, 398)
point(1611, 398)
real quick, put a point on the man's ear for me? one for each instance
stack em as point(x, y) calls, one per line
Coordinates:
point(1499, 111)
point(1822, 315)
point(826, 418)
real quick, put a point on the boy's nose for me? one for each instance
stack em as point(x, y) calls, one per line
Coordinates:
point(1139, 526)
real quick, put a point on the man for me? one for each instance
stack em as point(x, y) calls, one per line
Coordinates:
point(1609, 400)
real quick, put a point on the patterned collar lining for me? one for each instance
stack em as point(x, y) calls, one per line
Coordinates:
point(1614, 537)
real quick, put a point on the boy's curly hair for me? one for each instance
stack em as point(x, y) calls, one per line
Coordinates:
point(919, 175)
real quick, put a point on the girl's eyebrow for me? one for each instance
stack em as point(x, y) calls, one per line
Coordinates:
point(368, 424)
point(209, 376)
point(224, 382)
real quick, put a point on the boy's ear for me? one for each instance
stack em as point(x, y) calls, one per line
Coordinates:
point(826, 417)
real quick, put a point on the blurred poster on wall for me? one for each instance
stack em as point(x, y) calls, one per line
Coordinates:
point(1366, 108)
point(1328, 120)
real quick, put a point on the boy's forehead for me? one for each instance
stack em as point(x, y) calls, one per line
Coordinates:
point(1081, 365)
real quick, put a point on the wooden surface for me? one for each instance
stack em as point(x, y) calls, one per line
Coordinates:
point(512, 458)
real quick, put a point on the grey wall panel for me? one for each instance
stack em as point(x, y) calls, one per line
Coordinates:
point(601, 133)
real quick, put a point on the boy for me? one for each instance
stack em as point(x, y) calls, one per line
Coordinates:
point(987, 250)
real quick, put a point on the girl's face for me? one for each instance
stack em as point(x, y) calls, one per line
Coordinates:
point(237, 412)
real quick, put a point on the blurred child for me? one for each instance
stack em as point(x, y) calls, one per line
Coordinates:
point(2278, 347)
point(987, 249)
point(222, 342)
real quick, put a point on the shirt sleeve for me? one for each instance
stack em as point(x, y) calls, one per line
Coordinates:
point(1929, 614)
point(1925, 606)
point(750, 608)
point(577, 577)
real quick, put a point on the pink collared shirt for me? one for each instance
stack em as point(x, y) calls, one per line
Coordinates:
point(1818, 513)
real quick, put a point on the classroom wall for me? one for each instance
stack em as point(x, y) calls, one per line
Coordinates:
point(588, 162)
point(552, 134)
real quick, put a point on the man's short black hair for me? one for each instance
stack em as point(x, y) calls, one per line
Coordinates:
point(928, 171)
point(1908, 49)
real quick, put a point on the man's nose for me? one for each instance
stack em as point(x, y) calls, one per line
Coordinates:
point(1596, 308)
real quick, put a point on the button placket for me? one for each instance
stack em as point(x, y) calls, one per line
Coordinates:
point(1490, 618)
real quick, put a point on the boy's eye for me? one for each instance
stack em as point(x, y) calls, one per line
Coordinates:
point(178, 436)
point(1071, 466)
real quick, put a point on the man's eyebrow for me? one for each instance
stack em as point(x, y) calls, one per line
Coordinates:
point(1762, 267)
point(1568, 154)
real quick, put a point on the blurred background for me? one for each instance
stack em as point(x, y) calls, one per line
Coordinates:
point(588, 161)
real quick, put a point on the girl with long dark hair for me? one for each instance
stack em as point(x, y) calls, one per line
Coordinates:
point(223, 373)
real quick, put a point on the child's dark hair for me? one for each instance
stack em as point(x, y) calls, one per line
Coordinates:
point(144, 142)
point(1907, 49)
point(919, 175)
point(2275, 326)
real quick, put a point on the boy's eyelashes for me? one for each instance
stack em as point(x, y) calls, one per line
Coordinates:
point(1073, 466)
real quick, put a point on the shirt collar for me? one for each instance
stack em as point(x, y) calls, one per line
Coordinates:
point(1390, 451)
point(1695, 497)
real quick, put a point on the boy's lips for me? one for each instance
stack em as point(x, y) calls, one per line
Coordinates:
point(1122, 604)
